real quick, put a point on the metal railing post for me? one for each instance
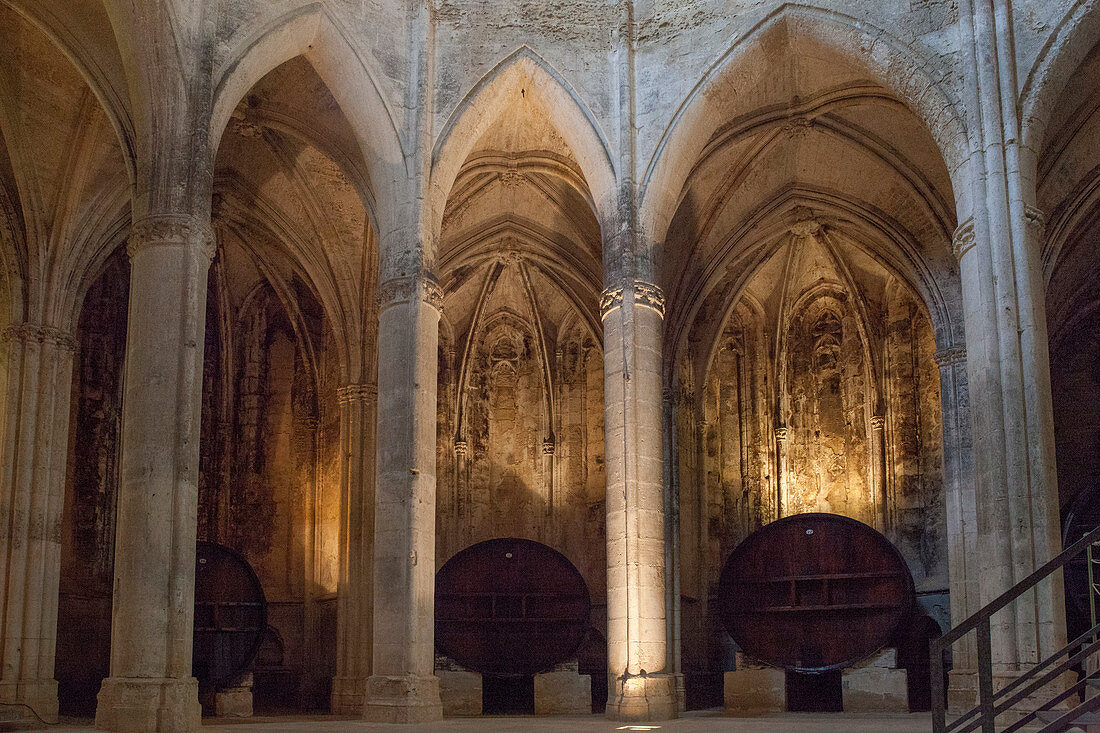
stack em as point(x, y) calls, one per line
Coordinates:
point(1092, 587)
point(939, 701)
point(985, 678)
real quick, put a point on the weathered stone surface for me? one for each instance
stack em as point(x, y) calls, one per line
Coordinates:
point(563, 693)
point(461, 693)
point(756, 690)
point(876, 686)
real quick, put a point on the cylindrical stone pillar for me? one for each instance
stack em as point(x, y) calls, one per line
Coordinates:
point(151, 687)
point(641, 685)
point(354, 615)
point(32, 492)
point(403, 687)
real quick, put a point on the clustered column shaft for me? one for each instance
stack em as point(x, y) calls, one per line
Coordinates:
point(32, 491)
point(358, 415)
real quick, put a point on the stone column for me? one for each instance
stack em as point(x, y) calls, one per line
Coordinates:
point(151, 687)
point(641, 685)
point(354, 616)
point(672, 545)
point(403, 687)
point(782, 433)
point(962, 521)
point(1006, 350)
point(554, 499)
point(33, 458)
point(878, 472)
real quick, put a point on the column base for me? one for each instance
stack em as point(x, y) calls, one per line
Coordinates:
point(405, 699)
point(139, 705)
point(348, 695)
point(639, 699)
point(962, 690)
point(681, 692)
point(38, 698)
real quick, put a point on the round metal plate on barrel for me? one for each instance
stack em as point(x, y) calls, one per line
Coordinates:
point(230, 614)
point(510, 607)
point(814, 592)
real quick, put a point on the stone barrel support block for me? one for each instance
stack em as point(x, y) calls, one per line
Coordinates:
point(756, 690)
point(460, 692)
point(563, 693)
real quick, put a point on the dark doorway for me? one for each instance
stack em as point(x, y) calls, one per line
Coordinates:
point(513, 695)
point(704, 691)
point(592, 661)
point(814, 693)
point(913, 657)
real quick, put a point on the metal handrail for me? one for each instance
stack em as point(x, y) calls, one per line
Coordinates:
point(988, 705)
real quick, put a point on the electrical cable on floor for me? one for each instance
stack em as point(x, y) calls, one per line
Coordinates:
point(28, 707)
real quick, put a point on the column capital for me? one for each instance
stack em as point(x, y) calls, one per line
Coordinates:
point(1036, 219)
point(548, 447)
point(422, 285)
point(173, 230)
point(25, 333)
point(781, 433)
point(646, 294)
point(878, 422)
point(950, 356)
point(963, 239)
point(350, 393)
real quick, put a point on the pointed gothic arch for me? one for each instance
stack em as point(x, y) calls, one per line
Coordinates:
point(525, 71)
point(316, 34)
point(915, 80)
point(1065, 49)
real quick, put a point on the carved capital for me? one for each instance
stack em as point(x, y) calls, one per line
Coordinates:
point(461, 447)
point(964, 239)
point(1036, 220)
point(406, 289)
point(646, 295)
point(548, 447)
point(878, 423)
point(782, 432)
point(350, 393)
point(950, 356)
point(26, 333)
point(171, 230)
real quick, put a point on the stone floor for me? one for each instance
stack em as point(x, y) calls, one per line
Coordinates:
point(691, 723)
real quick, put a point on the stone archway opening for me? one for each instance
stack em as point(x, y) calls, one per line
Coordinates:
point(1068, 181)
point(811, 290)
point(520, 397)
point(286, 332)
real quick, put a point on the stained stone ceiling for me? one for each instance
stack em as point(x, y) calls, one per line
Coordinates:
point(291, 191)
point(519, 219)
point(805, 137)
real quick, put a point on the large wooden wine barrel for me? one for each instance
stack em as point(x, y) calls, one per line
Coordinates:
point(230, 614)
point(510, 607)
point(814, 592)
